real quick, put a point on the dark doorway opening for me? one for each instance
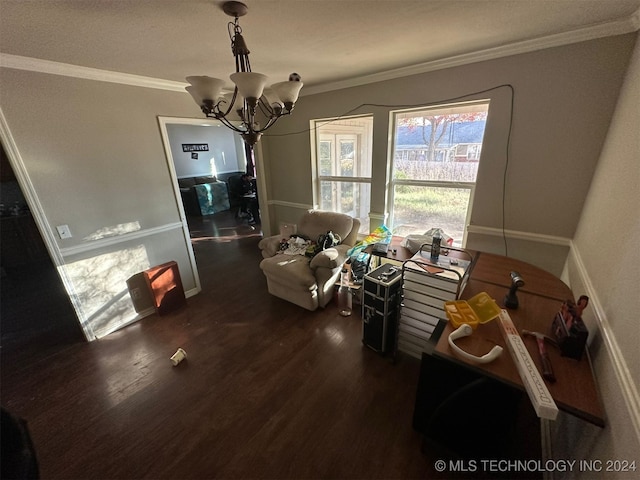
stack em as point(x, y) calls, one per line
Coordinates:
point(35, 310)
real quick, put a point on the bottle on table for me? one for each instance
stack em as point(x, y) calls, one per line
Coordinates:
point(435, 247)
point(344, 294)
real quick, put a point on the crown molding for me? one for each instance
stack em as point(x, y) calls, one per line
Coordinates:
point(18, 62)
point(616, 27)
point(592, 32)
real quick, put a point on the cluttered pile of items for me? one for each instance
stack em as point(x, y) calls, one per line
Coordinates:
point(303, 245)
point(568, 328)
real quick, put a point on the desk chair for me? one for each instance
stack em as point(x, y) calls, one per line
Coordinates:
point(476, 421)
point(243, 199)
point(464, 414)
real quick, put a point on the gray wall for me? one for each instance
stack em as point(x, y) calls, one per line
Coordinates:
point(572, 184)
point(605, 264)
point(226, 150)
point(93, 154)
point(564, 99)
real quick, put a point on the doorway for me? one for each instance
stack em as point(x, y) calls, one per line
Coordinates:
point(35, 310)
point(206, 161)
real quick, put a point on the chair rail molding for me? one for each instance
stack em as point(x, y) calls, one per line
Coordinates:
point(300, 206)
point(520, 235)
point(116, 239)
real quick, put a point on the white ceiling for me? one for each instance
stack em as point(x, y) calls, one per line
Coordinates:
point(325, 41)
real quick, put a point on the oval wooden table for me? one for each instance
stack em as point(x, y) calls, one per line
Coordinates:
point(575, 390)
point(444, 374)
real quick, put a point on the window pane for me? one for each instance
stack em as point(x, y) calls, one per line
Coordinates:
point(345, 145)
point(347, 197)
point(433, 145)
point(441, 144)
point(343, 151)
point(347, 155)
point(417, 209)
point(324, 157)
point(407, 168)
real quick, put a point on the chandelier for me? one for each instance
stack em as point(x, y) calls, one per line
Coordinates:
point(250, 100)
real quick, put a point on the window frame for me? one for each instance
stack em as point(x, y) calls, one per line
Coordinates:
point(393, 182)
point(364, 142)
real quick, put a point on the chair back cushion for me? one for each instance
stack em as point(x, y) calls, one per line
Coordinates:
point(317, 222)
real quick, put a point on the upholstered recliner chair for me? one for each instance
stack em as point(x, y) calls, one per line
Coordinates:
point(309, 282)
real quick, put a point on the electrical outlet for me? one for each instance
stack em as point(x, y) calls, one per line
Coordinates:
point(64, 232)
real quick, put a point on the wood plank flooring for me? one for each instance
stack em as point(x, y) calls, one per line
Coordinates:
point(269, 390)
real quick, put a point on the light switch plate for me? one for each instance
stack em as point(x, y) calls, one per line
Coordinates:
point(63, 231)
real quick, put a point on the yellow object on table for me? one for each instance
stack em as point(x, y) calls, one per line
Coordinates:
point(480, 308)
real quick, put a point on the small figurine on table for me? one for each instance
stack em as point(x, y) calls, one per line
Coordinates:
point(569, 329)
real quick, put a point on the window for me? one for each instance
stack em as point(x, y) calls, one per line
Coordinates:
point(436, 153)
point(342, 162)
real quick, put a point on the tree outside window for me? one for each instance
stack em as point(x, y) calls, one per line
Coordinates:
point(436, 156)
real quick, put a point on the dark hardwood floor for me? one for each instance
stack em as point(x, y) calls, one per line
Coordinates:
point(269, 390)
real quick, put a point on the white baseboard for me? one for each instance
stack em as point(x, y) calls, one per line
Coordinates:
point(618, 363)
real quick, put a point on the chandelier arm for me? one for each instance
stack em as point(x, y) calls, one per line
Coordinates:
point(231, 103)
point(265, 108)
point(230, 125)
point(269, 123)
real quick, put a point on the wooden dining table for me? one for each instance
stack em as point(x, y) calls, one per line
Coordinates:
point(482, 409)
point(575, 390)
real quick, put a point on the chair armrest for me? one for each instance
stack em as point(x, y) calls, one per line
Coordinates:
point(331, 257)
point(270, 245)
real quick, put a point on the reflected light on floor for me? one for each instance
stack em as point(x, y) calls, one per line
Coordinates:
point(145, 365)
point(225, 234)
point(333, 334)
point(225, 239)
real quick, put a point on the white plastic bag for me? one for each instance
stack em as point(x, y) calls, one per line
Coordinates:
point(413, 242)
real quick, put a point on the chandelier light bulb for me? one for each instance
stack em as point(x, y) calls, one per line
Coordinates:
point(207, 88)
point(194, 94)
point(287, 91)
point(273, 100)
point(250, 84)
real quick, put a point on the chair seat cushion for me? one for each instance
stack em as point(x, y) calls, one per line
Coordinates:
point(290, 270)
